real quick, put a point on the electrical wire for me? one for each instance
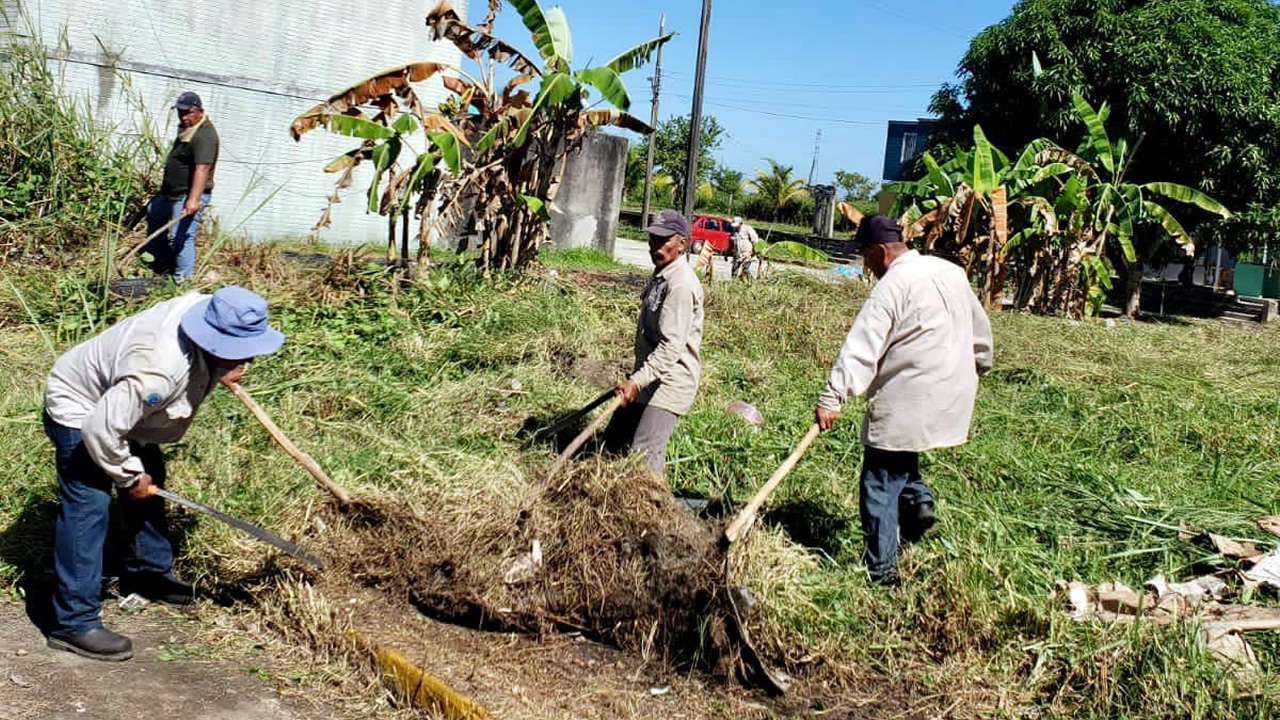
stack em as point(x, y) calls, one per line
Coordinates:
point(757, 111)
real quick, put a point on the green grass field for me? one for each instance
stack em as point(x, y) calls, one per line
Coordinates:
point(1091, 444)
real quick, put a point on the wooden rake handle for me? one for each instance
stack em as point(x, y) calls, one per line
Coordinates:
point(582, 437)
point(278, 435)
point(125, 260)
point(743, 521)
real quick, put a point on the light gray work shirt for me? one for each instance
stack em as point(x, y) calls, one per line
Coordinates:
point(744, 243)
point(916, 349)
point(669, 338)
point(141, 380)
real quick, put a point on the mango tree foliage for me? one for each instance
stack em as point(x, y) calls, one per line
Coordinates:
point(1199, 80)
point(492, 154)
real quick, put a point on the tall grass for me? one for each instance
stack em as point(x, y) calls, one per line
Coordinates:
point(1091, 445)
point(66, 180)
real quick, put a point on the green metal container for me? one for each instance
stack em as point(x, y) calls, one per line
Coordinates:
point(1271, 283)
point(1249, 279)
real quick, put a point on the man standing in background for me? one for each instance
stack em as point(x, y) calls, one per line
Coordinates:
point(745, 262)
point(184, 191)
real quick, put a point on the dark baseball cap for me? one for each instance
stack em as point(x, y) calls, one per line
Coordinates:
point(878, 230)
point(188, 100)
point(668, 223)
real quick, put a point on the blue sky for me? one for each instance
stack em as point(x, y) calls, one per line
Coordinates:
point(845, 68)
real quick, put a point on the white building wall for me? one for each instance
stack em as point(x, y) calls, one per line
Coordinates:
point(257, 64)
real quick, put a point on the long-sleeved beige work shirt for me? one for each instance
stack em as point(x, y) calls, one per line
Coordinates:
point(140, 381)
point(669, 338)
point(916, 349)
point(744, 243)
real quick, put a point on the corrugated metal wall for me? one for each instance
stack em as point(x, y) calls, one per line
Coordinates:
point(257, 64)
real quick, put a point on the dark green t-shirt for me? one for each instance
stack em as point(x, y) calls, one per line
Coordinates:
point(183, 158)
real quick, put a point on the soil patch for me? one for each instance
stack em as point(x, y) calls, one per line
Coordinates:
point(552, 676)
point(177, 672)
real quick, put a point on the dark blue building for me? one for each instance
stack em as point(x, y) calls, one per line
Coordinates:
point(906, 140)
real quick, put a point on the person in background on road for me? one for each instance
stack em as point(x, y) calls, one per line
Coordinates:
point(668, 342)
point(109, 401)
point(916, 349)
point(184, 191)
point(745, 263)
point(706, 259)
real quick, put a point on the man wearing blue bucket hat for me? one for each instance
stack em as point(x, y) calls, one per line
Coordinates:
point(109, 402)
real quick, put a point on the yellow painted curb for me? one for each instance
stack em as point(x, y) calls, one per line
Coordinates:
point(420, 688)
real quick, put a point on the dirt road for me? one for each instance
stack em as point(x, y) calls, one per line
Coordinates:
point(177, 672)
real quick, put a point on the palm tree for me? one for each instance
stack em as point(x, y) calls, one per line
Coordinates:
point(776, 188)
point(633, 181)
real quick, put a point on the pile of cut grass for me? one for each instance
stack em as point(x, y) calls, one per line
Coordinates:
point(1090, 443)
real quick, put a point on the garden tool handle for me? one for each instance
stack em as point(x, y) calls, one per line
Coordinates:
point(305, 460)
point(743, 521)
point(576, 416)
point(582, 437)
point(149, 238)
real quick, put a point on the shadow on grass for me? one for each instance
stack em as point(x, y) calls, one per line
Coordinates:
point(27, 544)
point(812, 525)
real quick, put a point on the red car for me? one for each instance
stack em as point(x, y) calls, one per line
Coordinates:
point(713, 229)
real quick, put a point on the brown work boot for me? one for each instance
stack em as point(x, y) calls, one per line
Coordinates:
point(98, 644)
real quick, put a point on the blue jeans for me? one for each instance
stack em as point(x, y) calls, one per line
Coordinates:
point(179, 254)
point(890, 481)
point(80, 531)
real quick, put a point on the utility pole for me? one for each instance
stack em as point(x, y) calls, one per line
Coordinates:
point(695, 122)
point(653, 123)
point(817, 147)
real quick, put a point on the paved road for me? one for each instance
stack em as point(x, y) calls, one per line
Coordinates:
point(636, 252)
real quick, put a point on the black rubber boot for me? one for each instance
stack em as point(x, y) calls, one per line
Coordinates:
point(915, 521)
point(99, 644)
point(889, 578)
point(158, 588)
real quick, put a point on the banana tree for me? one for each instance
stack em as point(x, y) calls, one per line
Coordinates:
point(963, 209)
point(491, 155)
point(1114, 217)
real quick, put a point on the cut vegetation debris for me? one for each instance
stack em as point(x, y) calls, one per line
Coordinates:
point(1204, 599)
point(607, 552)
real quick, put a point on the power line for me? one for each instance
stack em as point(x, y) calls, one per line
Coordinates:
point(816, 107)
point(810, 87)
point(841, 121)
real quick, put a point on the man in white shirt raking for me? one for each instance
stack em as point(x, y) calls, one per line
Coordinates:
point(916, 350)
point(108, 404)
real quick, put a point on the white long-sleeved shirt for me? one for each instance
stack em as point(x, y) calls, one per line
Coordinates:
point(669, 338)
point(916, 349)
point(744, 243)
point(141, 380)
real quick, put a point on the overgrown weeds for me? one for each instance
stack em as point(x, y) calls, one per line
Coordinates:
point(1091, 445)
point(67, 182)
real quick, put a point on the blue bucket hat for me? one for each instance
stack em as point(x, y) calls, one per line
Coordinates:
point(232, 325)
